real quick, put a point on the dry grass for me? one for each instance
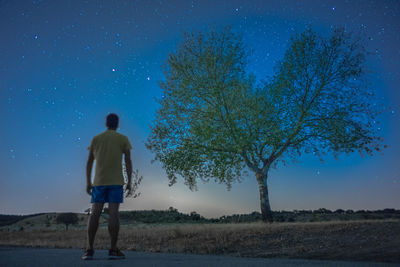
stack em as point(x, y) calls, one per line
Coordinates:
point(350, 240)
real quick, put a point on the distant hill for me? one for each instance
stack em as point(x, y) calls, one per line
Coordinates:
point(10, 219)
point(44, 221)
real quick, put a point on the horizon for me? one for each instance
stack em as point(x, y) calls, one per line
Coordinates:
point(290, 211)
point(65, 66)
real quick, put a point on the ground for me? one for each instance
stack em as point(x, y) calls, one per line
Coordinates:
point(368, 240)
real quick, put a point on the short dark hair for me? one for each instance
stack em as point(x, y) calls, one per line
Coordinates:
point(112, 121)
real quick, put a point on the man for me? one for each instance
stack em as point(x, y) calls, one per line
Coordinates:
point(107, 149)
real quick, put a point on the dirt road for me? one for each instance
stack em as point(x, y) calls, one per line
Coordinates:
point(20, 256)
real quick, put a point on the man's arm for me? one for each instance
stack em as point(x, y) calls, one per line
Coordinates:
point(89, 166)
point(128, 165)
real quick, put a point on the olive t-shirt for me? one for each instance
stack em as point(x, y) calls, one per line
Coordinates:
point(107, 149)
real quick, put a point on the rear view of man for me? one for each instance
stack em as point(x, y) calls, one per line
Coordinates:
point(107, 149)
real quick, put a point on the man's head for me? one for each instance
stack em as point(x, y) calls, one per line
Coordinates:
point(112, 121)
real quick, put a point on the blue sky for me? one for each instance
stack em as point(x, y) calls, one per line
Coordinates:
point(64, 65)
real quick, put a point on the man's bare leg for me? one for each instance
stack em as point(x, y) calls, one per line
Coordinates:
point(113, 223)
point(93, 223)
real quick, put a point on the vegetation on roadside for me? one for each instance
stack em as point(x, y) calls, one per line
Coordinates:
point(172, 215)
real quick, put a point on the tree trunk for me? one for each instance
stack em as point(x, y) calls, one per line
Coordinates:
point(266, 213)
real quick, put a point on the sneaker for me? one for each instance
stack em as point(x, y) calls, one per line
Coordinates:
point(115, 254)
point(88, 254)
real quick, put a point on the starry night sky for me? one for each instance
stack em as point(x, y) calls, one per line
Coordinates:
point(64, 65)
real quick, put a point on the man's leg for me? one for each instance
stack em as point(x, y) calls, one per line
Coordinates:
point(113, 223)
point(93, 223)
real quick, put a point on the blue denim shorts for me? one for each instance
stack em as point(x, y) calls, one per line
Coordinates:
point(107, 193)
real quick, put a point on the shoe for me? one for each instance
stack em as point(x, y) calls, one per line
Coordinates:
point(88, 254)
point(115, 254)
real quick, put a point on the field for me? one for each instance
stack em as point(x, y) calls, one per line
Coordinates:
point(360, 240)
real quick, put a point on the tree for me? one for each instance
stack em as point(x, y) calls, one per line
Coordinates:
point(137, 179)
point(67, 219)
point(195, 216)
point(87, 211)
point(215, 121)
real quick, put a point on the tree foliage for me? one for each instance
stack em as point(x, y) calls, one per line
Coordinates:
point(199, 130)
point(214, 120)
point(321, 97)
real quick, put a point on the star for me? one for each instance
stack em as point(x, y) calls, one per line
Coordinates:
point(63, 80)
